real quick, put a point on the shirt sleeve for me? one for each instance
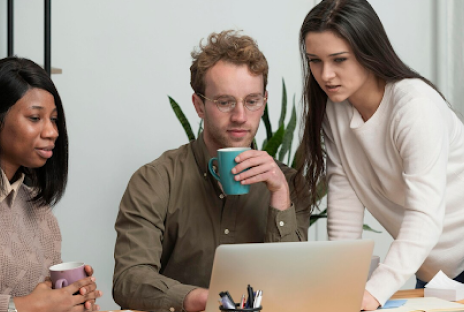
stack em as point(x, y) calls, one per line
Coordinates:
point(140, 228)
point(422, 140)
point(290, 225)
point(345, 212)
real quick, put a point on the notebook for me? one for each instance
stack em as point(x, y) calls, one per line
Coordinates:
point(300, 276)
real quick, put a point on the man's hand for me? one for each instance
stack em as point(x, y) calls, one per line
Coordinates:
point(369, 303)
point(263, 168)
point(196, 300)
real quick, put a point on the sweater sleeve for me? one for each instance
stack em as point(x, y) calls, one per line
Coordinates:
point(4, 300)
point(421, 138)
point(345, 212)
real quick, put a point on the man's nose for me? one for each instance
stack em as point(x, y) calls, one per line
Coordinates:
point(238, 113)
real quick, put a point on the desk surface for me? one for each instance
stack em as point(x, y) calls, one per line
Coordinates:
point(407, 293)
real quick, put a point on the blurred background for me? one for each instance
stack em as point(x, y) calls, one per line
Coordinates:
point(121, 59)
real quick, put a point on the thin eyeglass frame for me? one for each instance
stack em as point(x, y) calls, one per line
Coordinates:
point(236, 101)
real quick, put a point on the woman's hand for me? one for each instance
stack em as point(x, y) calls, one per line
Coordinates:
point(44, 299)
point(369, 303)
point(90, 304)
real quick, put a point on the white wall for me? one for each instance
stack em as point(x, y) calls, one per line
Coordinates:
point(121, 59)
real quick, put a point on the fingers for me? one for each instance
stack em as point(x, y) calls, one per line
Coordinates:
point(87, 289)
point(88, 270)
point(252, 158)
point(262, 168)
point(91, 306)
point(88, 300)
point(76, 286)
point(260, 173)
point(91, 297)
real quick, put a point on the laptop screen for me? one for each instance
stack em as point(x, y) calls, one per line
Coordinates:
point(300, 276)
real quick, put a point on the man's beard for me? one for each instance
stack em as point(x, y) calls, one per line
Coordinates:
point(222, 140)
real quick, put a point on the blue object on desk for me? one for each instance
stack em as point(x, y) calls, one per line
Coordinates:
point(391, 304)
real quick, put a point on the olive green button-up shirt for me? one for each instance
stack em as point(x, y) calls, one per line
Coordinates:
point(172, 217)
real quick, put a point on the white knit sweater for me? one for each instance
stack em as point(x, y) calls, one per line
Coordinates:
point(406, 166)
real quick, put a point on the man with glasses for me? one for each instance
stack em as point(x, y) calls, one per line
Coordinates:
point(174, 214)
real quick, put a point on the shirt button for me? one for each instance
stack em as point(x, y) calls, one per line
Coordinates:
point(221, 196)
point(226, 231)
point(172, 309)
point(281, 223)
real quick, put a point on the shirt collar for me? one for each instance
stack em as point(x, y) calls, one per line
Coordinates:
point(8, 188)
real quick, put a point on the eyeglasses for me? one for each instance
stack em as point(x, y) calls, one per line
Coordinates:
point(227, 103)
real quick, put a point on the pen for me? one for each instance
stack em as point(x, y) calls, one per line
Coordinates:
point(250, 296)
point(226, 300)
point(259, 296)
point(255, 297)
point(242, 302)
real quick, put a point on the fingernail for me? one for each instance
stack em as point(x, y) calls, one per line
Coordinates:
point(233, 171)
point(93, 279)
point(83, 291)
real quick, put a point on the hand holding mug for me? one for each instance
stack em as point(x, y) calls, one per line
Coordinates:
point(263, 168)
point(226, 161)
point(67, 299)
point(64, 274)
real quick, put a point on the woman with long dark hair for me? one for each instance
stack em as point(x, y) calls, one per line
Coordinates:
point(387, 141)
point(33, 175)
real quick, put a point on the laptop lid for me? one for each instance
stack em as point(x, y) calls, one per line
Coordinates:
point(301, 276)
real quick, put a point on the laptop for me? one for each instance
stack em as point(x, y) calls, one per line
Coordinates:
point(301, 276)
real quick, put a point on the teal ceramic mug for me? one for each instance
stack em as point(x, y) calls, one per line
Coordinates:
point(226, 162)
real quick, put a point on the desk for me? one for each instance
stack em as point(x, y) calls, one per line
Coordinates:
point(408, 293)
point(412, 293)
point(400, 294)
point(121, 311)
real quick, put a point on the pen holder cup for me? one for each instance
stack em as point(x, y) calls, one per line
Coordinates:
point(237, 309)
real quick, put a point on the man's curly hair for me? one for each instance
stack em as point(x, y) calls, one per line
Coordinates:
point(227, 46)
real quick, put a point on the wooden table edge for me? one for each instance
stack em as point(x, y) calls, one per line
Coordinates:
point(412, 293)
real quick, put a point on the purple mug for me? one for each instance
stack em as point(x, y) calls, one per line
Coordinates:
point(66, 273)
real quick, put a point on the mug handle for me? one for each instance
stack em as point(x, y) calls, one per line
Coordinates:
point(210, 167)
point(61, 283)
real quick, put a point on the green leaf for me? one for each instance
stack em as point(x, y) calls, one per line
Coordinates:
point(274, 143)
point(264, 144)
point(368, 228)
point(181, 117)
point(200, 127)
point(316, 216)
point(267, 123)
point(288, 135)
point(283, 111)
point(321, 188)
